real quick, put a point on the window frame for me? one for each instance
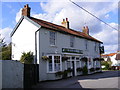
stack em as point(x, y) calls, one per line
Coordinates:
point(53, 63)
point(96, 47)
point(86, 44)
point(52, 38)
point(72, 41)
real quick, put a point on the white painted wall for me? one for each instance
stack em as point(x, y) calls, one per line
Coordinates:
point(114, 61)
point(12, 74)
point(23, 39)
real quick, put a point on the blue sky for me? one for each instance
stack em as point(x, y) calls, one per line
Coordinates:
point(9, 10)
point(55, 11)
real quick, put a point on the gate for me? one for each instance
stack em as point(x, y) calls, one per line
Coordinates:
point(31, 75)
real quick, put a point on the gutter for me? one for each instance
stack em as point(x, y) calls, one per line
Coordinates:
point(35, 61)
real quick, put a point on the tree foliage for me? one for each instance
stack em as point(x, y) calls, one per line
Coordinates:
point(27, 58)
point(107, 64)
point(85, 70)
point(6, 52)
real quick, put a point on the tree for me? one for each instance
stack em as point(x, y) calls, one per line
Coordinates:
point(2, 43)
point(6, 52)
point(27, 58)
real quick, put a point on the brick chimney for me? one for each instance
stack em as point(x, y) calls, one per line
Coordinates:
point(65, 23)
point(85, 30)
point(26, 10)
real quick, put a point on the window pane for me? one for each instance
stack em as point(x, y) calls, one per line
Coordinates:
point(57, 63)
point(86, 44)
point(50, 63)
point(77, 64)
point(50, 66)
point(52, 38)
point(71, 41)
point(77, 58)
point(68, 64)
point(73, 57)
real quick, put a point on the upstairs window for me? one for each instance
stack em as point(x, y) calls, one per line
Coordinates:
point(96, 46)
point(72, 39)
point(52, 38)
point(86, 44)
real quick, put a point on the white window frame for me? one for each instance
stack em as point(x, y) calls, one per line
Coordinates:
point(86, 44)
point(53, 67)
point(96, 47)
point(72, 41)
point(50, 37)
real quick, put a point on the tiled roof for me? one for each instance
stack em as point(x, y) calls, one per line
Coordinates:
point(111, 54)
point(59, 28)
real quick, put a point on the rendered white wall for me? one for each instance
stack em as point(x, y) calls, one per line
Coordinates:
point(23, 39)
point(114, 62)
point(12, 74)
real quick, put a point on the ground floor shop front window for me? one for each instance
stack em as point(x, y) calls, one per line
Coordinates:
point(54, 63)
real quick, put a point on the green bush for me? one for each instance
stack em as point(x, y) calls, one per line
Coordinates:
point(6, 52)
point(97, 68)
point(85, 70)
point(65, 74)
point(59, 73)
point(92, 69)
point(27, 58)
point(69, 70)
point(79, 69)
point(107, 65)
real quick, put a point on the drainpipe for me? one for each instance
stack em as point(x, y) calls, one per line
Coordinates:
point(35, 62)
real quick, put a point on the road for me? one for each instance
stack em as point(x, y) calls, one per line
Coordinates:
point(106, 79)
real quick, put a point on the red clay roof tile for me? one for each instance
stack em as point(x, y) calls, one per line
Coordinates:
point(62, 29)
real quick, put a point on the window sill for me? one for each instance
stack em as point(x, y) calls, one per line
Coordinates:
point(86, 49)
point(53, 72)
point(53, 46)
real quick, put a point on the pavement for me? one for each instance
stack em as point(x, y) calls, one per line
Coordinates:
point(105, 79)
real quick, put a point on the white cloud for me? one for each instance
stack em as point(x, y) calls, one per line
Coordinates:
point(5, 33)
point(109, 37)
point(107, 16)
point(111, 48)
point(18, 15)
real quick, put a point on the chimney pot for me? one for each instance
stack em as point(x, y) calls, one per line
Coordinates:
point(26, 10)
point(66, 19)
point(85, 30)
point(65, 23)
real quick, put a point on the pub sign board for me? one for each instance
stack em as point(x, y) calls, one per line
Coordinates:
point(68, 50)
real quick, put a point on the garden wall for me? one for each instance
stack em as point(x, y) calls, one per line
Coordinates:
point(12, 74)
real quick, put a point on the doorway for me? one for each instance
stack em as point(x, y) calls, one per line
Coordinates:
point(73, 68)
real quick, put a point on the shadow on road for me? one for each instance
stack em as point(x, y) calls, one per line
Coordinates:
point(73, 81)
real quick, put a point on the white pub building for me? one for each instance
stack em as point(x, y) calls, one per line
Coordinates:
point(59, 50)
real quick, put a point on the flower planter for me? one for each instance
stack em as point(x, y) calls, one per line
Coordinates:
point(64, 59)
point(45, 58)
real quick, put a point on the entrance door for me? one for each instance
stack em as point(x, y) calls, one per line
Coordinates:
point(73, 72)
